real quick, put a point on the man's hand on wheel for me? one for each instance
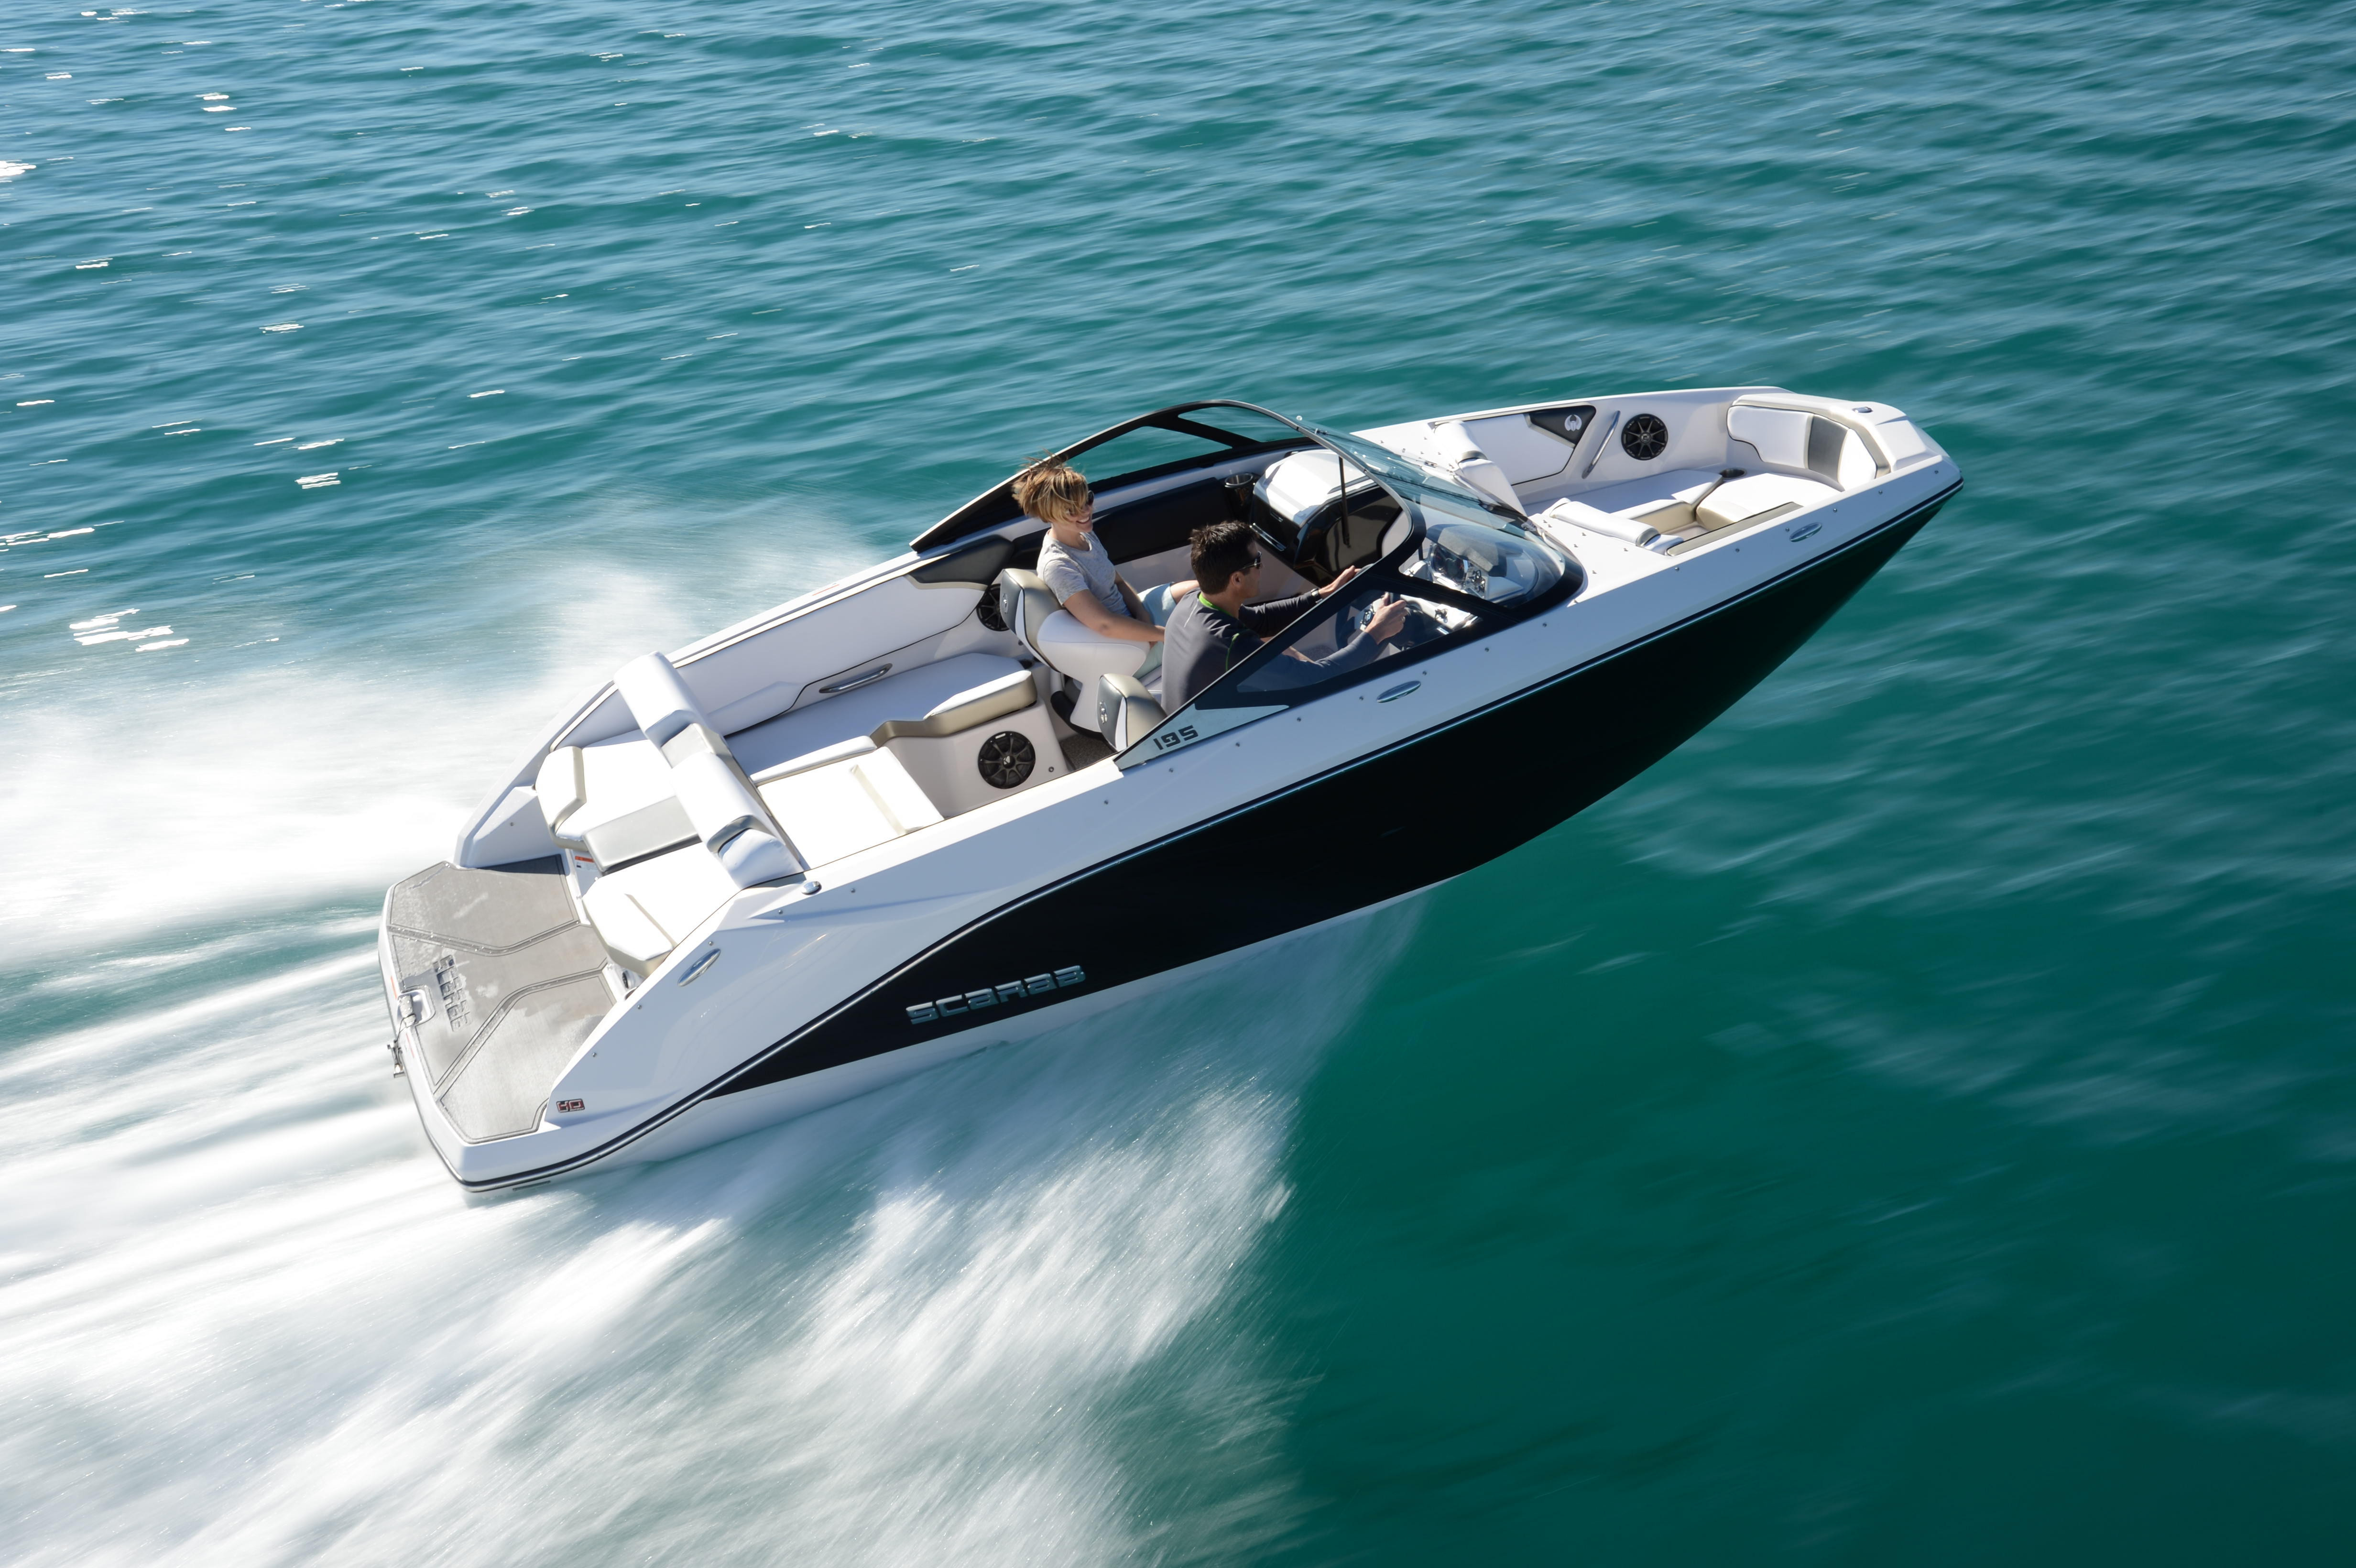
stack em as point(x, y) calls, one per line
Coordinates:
point(1390, 619)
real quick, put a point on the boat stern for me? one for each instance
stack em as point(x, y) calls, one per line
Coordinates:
point(493, 984)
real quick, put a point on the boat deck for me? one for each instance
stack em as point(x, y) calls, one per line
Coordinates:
point(511, 982)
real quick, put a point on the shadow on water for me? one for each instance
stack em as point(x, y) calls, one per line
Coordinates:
point(266, 1328)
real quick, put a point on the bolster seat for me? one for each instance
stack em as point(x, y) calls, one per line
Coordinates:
point(1070, 648)
point(1126, 711)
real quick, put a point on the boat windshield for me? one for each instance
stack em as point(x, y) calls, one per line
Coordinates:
point(1408, 474)
point(1468, 543)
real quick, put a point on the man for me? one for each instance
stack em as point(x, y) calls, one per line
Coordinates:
point(1217, 628)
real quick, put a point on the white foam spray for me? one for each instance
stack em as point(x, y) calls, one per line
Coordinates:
point(246, 1320)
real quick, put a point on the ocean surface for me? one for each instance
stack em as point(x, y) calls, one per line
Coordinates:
point(1914, 1124)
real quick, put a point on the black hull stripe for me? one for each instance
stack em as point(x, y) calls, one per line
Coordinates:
point(874, 1021)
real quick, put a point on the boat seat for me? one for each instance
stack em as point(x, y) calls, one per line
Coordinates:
point(1756, 494)
point(644, 911)
point(668, 816)
point(1126, 712)
point(1070, 648)
point(634, 836)
point(1801, 443)
point(935, 720)
point(1057, 638)
point(619, 790)
point(849, 797)
point(940, 699)
point(1651, 492)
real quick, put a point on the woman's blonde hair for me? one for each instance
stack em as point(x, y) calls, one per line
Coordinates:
point(1050, 491)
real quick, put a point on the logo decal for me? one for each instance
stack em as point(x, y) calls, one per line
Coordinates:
point(453, 987)
point(942, 1008)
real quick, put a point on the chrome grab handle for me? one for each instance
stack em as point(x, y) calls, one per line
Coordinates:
point(862, 678)
point(1602, 441)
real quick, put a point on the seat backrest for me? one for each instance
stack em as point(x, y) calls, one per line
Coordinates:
point(1024, 603)
point(712, 789)
point(658, 698)
point(559, 785)
point(1803, 443)
point(1126, 711)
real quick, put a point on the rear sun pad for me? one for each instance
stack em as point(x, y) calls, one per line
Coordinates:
point(845, 807)
point(646, 910)
point(512, 982)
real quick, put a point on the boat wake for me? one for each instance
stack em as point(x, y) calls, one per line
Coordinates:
point(978, 1316)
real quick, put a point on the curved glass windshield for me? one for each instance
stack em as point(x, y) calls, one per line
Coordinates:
point(1409, 475)
point(1499, 565)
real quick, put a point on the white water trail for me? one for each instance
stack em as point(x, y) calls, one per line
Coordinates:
point(246, 1320)
point(133, 802)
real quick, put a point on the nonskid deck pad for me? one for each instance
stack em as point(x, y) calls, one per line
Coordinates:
point(508, 981)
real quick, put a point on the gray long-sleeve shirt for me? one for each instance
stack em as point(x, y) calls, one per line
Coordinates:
point(1204, 642)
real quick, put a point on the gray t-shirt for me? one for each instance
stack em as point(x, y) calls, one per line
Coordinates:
point(1089, 571)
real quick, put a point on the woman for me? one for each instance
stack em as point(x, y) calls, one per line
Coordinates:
point(1074, 564)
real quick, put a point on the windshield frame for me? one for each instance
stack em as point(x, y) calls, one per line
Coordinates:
point(996, 506)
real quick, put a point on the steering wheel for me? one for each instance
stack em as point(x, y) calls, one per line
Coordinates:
point(1421, 623)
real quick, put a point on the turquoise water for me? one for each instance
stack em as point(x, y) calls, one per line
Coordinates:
point(1912, 1124)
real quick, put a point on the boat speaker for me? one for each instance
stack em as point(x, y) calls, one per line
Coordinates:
point(1645, 437)
point(988, 612)
point(1006, 759)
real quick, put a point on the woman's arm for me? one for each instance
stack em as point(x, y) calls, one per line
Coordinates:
point(1088, 612)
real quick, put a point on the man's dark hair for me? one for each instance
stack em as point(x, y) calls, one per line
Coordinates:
point(1219, 550)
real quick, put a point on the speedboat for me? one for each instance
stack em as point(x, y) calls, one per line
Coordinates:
point(923, 811)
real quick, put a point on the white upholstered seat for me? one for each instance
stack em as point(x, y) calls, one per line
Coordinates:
point(667, 814)
point(1085, 656)
point(848, 803)
point(644, 911)
point(1740, 500)
point(909, 695)
point(615, 800)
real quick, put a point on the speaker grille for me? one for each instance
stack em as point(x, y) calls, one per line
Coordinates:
point(1645, 437)
point(1006, 759)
